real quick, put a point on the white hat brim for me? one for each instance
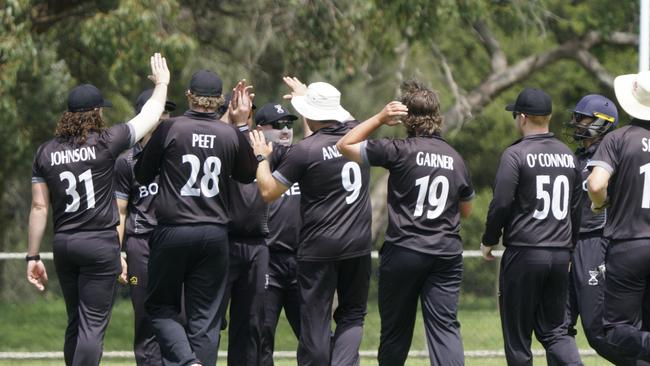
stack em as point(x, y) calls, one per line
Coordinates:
point(623, 89)
point(301, 106)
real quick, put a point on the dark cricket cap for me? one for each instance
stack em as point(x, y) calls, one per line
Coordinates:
point(271, 112)
point(86, 97)
point(532, 101)
point(205, 83)
point(144, 97)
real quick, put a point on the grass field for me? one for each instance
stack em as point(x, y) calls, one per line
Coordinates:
point(39, 326)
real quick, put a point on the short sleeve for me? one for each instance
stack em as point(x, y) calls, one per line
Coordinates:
point(119, 138)
point(607, 154)
point(465, 189)
point(123, 178)
point(293, 166)
point(38, 175)
point(380, 152)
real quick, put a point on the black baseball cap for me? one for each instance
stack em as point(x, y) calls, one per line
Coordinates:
point(271, 112)
point(205, 83)
point(144, 97)
point(86, 97)
point(532, 101)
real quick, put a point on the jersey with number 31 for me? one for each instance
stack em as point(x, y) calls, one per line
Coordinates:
point(334, 199)
point(80, 178)
point(625, 154)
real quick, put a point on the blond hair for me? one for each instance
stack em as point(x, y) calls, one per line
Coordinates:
point(210, 103)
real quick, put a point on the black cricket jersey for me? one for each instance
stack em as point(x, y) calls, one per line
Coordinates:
point(625, 154)
point(247, 210)
point(334, 200)
point(284, 213)
point(141, 218)
point(537, 193)
point(80, 178)
point(427, 180)
point(589, 221)
point(193, 154)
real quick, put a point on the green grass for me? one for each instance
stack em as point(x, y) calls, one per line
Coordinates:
point(39, 326)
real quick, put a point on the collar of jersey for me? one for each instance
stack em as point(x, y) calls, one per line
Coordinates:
point(200, 115)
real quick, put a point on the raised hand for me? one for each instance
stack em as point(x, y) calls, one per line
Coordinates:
point(259, 144)
point(159, 70)
point(241, 103)
point(298, 88)
point(393, 113)
point(36, 274)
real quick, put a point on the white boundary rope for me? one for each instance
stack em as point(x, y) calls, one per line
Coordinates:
point(375, 254)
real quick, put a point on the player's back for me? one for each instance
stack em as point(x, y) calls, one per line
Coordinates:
point(79, 177)
point(193, 154)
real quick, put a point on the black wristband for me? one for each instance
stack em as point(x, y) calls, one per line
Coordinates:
point(260, 158)
point(36, 257)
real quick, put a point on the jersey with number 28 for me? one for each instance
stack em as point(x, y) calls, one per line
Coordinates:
point(80, 178)
point(334, 199)
point(625, 154)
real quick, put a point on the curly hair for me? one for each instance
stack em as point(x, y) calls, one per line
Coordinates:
point(423, 117)
point(211, 103)
point(77, 125)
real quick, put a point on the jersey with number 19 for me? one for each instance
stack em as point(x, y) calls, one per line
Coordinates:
point(537, 194)
point(334, 199)
point(80, 178)
point(625, 154)
point(193, 154)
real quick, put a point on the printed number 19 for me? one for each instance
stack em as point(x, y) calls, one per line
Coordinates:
point(437, 197)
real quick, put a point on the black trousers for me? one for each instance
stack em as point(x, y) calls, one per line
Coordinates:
point(533, 286)
point(587, 293)
point(627, 297)
point(193, 260)
point(406, 276)
point(247, 281)
point(87, 264)
point(145, 345)
point(282, 292)
point(317, 282)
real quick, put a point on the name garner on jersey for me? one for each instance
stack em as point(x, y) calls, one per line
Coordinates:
point(550, 160)
point(72, 156)
point(434, 160)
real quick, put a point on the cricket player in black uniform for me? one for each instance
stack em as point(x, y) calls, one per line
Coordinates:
point(536, 205)
point(74, 173)
point(276, 123)
point(192, 154)
point(620, 177)
point(335, 239)
point(248, 268)
point(593, 117)
point(429, 188)
point(137, 221)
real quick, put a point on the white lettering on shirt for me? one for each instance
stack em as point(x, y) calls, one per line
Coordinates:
point(203, 141)
point(646, 144)
point(331, 152)
point(73, 156)
point(434, 160)
point(550, 160)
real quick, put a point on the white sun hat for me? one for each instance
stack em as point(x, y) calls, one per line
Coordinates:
point(321, 103)
point(633, 94)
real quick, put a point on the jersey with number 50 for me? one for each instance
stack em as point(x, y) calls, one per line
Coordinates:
point(537, 193)
point(334, 199)
point(625, 154)
point(80, 178)
point(193, 154)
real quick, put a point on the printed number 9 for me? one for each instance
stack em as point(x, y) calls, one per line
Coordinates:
point(351, 179)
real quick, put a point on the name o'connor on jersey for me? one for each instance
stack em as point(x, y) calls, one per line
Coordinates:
point(550, 160)
point(73, 156)
point(434, 160)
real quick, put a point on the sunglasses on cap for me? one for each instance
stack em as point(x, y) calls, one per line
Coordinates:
point(281, 124)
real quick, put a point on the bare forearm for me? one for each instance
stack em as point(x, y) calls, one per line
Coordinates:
point(149, 116)
point(37, 225)
point(269, 187)
point(349, 146)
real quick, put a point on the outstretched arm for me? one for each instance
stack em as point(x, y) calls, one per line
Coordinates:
point(297, 88)
point(350, 144)
point(149, 116)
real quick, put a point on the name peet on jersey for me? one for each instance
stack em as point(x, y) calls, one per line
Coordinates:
point(625, 153)
point(427, 180)
point(589, 221)
point(247, 210)
point(334, 199)
point(537, 193)
point(284, 216)
point(142, 216)
point(80, 178)
point(193, 154)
